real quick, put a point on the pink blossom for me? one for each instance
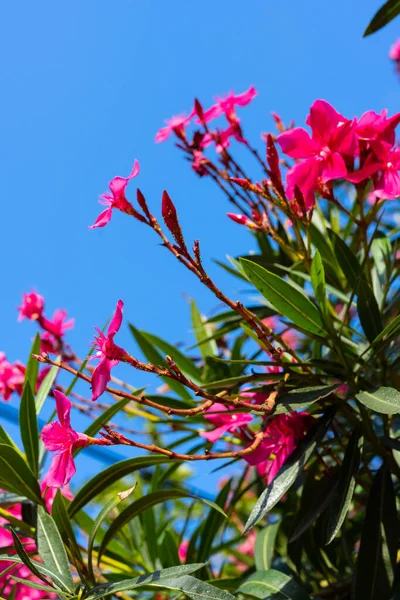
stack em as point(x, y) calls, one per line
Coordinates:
point(323, 153)
point(49, 493)
point(59, 437)
point(32, 306)
point(280, 439)
point(12, 376)
point(58, 325)
point(227, 105)
point(224, 420)
point(384, 165)
point(117, 198)
point(377, 127)
point(394, 53)
point(182, 550)
point(175, 125)
point(109, 353)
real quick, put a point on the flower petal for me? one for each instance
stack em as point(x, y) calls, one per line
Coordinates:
point(100, 377)
point(61, 469)
point(333, 167)
point(63, 407)
point(116, 321)
point(103, 218)
point(297, 143)
point(215, 434)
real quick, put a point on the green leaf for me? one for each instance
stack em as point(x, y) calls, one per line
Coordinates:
point(156, 359)
point(318, 282)
point(384, 400)
point(386, 334)
point(212, 523)
point(104, 479)
point(273, 585)
point(46, 386)
point(290, 470)
point(139, 506)
point(264, 546)
point(59, 512)
point(32, 366)
point(186, 365)
point(202, 332)
point(25, 558)
point(376, 560)
point(5, 438)
point(368, 311)
point(293, 304)
point(194, 588)
point(109, 589)
point(98, 523)
point(347, 260)
point(17, 476)
point(385, 14)
point(344, 492)
point(51, 549)
point(29, 428)
point(34, 585)
point(54, 577)
point(298, 399)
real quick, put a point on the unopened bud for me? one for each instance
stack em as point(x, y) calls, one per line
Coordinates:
point(242, 220)
point(244, 183)
point(199, 110)
point(143, 204)
point(170, 217)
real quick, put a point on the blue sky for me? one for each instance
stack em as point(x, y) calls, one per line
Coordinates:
point(85, 87)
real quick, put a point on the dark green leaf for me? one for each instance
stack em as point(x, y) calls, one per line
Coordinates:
point(110, 589)
point(32, 366)
point(347, 260)
point(104, 479)
point(36, 586)
point(293, 304)
point(25, 558)
point(202, 332)
point(17, 476)
point(51, 549)
point(387, 333)
point(212, 524)
point(186, 365)
point(368, 311)
point(318, 282)
point(385, 14)
point(60, 515)
point(384, 400)
point(344, 492)
point(54, 577)
point(156, 359)
point(29, 428)
point(290, 470)
point(194, 588)
point(273, 585)
point(264, 546)
point(378, 549)
point(297, 399)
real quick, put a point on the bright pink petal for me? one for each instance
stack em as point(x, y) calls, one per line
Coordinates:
point(116, 321)
point(285, 450)
point(323, 120)
point(245, 97)
point(215, 434)
point(364, 173)
point(100, 377)
point(103, 218)
point(297, 143)
point(388, 187)
point(62, 469)
point(305, 176)
point(212, 113)
point(118, 184)
point(63, 407)
point(334, 167)
point(163, 134)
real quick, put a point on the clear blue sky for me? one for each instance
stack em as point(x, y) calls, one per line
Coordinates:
point(86, 85)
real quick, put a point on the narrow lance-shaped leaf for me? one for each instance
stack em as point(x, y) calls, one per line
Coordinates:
point(46, 386)
point(318, 282)
point(344, 492)
point(297, 399)
point(32, 366)
point(290, 470)
point(51, 549)
point(384, 400)
point(288, 300)
point(264, 546)
point(202, 332)
point(16, 476)
point(273, 585)
point(368, 311)
point(385, 14)
point(29, 428)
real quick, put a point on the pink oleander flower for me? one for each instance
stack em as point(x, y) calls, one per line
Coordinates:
point(280, 439)
point(58, 325)
point(224, 420)
point(323, 153)
point(116, 199)
point(49, 493)
point(372, 127)
point(32, 306)
point(182, 550)
point(12, 376)
point(394, 53)
point(384, 165)
point(175, 125)
point(227, 105)
point(108, 352)
point(9, 588)
point(59, 437)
